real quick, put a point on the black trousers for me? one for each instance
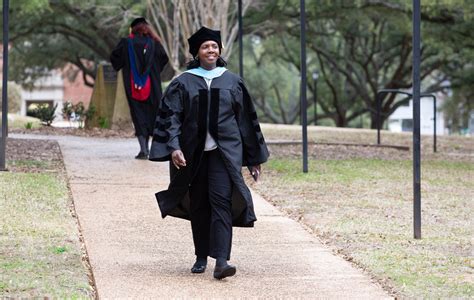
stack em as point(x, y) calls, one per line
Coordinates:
point(211, 207)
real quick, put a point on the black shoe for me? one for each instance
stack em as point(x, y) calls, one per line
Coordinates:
point(225, 271)
point(141, 155)
point(198, 267)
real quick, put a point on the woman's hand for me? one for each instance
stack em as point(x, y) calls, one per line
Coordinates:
point(178, 159)
point(255, 171)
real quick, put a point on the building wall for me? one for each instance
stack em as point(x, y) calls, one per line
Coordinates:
point(77, 91)
point(47, 89)
point(55, 88)
point(402, 118)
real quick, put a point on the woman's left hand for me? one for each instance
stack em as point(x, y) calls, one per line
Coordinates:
point(178, 159)
point(255, 171)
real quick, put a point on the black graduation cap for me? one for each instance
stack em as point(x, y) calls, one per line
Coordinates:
point(202, 35)
point(138, 21)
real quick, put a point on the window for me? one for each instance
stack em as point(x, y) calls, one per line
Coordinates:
point(407, 125)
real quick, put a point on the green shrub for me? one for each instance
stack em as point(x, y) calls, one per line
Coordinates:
point(78, 112)
point(45, 113)
point(68, 109)
point(90, 113)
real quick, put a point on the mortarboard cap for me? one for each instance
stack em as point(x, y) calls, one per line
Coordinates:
point(138, 21)
point(204, 34)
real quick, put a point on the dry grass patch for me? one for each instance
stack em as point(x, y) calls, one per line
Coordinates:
point(447, 146)
point(20, 122)
point(360, 203)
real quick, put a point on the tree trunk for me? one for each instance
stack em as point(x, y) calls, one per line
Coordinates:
point(373, 119)
point(341, 121)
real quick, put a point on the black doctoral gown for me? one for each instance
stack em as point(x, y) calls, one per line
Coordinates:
point(143, 113)
point(187, 108)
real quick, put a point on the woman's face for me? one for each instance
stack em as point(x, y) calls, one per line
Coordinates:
point(208, 54)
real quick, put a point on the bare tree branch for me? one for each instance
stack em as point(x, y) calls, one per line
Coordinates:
point(176, 20)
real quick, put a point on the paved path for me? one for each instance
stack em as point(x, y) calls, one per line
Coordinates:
point(134, 253)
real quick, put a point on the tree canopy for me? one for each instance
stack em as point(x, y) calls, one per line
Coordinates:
point(359, 47)
point(356, 46)
point(50, 34)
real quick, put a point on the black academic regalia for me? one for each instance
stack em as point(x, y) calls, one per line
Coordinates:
point(143, 112)
point(187, 108)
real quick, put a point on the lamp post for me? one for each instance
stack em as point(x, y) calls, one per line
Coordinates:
point(315, 94)
point(4, 122)
point(303, 105)
point(416, 120)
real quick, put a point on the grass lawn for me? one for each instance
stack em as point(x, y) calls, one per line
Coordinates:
point(362, 208)
point(40, 252)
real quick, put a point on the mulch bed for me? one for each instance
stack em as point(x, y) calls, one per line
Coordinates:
point(48, 151)
point(93, 132)
point(43, 155)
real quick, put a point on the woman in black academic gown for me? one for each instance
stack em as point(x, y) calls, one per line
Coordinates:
point(141, 58)
point(208, 128)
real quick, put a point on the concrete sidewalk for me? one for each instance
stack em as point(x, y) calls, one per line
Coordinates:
point(134, 253)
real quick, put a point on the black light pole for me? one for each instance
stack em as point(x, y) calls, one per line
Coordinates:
point(379, 118)
point(434, 124)
point(3, 141)
point(241, 48)
point(416, 121)
point(315, 95)
point(304, 120)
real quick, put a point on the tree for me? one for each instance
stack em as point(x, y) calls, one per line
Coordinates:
point(50, 34)
point(176, 20)
point(363, 46)
point(458, 109)
point(274, 92)
point(358, 46)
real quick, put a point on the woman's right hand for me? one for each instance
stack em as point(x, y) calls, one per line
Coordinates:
point(177, 157)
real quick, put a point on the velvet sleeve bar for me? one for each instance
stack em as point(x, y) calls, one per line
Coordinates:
point(255, 150)
point(168, 124)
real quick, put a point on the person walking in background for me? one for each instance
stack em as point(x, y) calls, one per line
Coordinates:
point(208, 128)
point(141, 57)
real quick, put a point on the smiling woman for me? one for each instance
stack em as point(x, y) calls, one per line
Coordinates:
point(208, 128)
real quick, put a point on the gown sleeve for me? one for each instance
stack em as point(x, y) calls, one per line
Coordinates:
point(168, 123)
point(118, 55)
point(255, 150)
